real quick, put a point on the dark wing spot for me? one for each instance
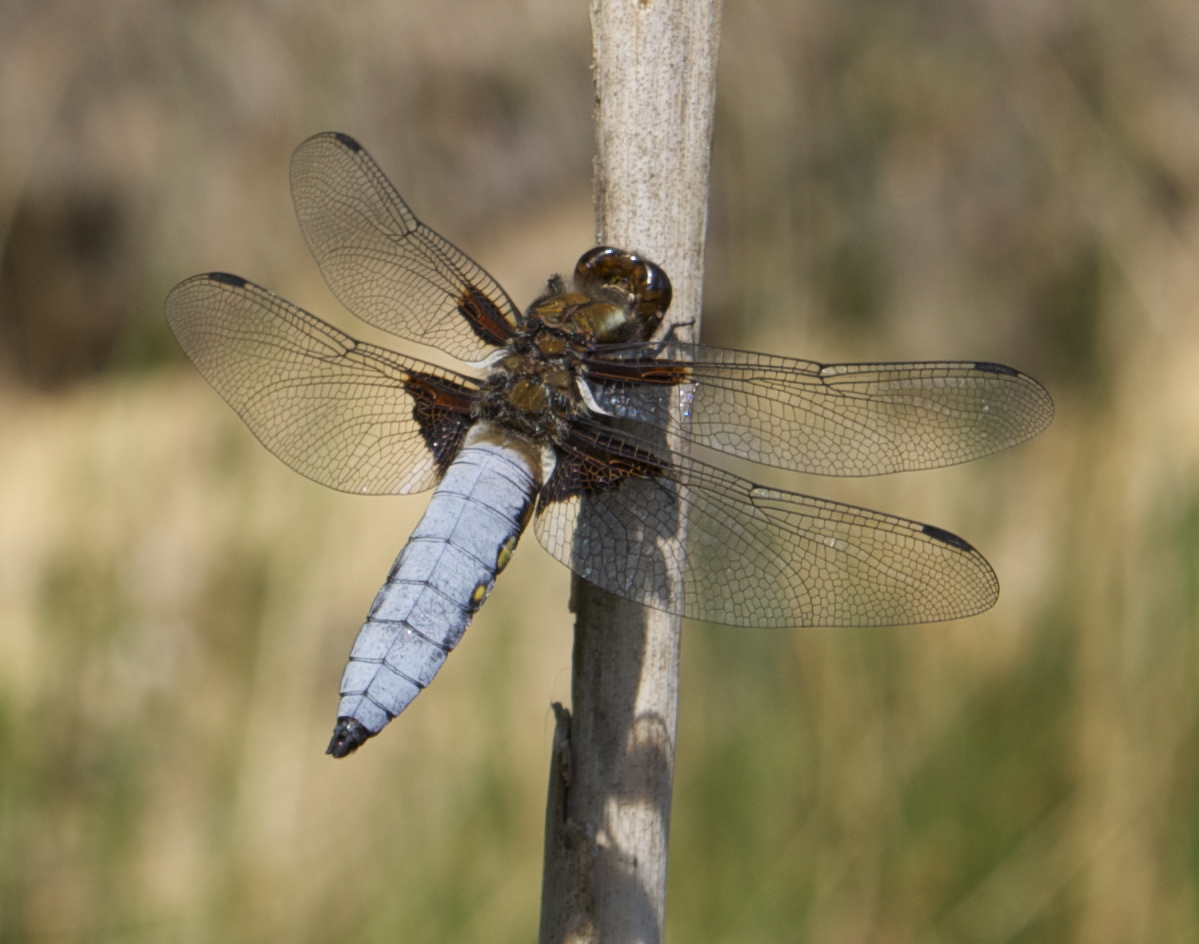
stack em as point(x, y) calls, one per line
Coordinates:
point(347, 141)
point(235, 280)
point(484, 317)
point(946, 537)
point(992, 368)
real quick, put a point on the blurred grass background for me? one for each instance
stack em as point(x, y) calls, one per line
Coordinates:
point(1009, 180)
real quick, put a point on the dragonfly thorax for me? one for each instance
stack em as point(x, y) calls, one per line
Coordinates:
point(531, 386)
point(617, 297)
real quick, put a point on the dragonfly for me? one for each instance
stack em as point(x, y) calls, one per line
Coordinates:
point(562, 417)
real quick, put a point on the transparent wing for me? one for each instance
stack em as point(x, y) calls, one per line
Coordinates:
point(386, 266)
point(349, 415)
point(829, 419)
point(753, 556)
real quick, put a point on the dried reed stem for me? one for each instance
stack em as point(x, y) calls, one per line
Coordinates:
point(608, 815)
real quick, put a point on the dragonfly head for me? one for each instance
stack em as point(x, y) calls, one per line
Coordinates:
point(636, 286)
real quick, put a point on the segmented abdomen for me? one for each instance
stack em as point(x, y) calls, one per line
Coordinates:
point(443, 574)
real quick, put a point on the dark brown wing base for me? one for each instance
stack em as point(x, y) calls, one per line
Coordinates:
point(594, 461)
point(441, 410)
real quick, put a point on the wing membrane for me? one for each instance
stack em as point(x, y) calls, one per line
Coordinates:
point(349, 415)
point(386, 266)
point(829, 419)
point(752, 556)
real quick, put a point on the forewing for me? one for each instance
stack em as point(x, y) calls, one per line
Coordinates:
point(829, 419)
point(349, 415)
point(752, 556)
point(386, 266)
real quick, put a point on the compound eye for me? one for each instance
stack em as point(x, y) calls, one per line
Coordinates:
point(636, 282)
point(598, 266)
point(654, 294)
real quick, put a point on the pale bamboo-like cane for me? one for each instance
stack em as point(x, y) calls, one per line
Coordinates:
point(608, 814)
